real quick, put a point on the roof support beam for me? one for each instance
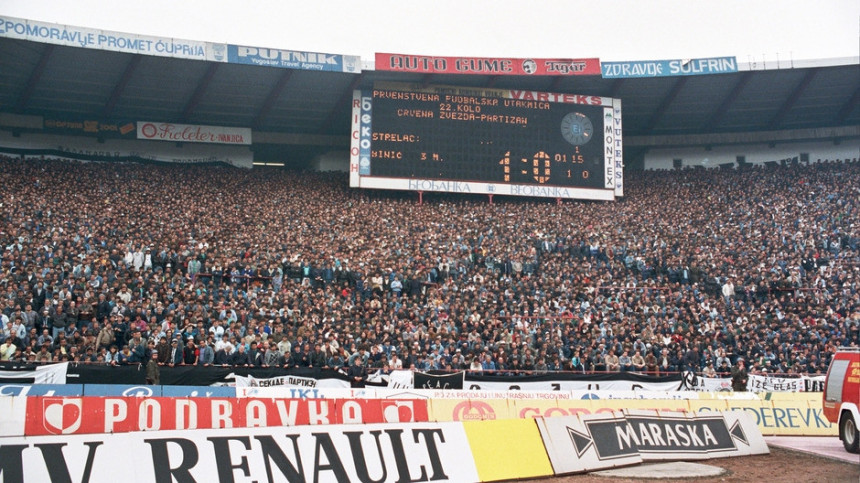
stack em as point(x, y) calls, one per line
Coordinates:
point(33, 80)
point(199, 92)
point(792, 99)
point(724, 106)
point(846, 109)
point(345, 101)
point(616, 87)
point(271, 98)
point(120, 86)
point(665, 103)
point(428, 78)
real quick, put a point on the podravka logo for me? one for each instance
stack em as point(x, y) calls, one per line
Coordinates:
point(62, 415)
point(473, 411)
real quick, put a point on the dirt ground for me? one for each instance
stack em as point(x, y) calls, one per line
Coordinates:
point(779, 465)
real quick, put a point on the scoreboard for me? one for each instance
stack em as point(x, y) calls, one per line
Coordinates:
point(493, 141)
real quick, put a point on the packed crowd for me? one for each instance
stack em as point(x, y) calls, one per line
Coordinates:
point(693, 269)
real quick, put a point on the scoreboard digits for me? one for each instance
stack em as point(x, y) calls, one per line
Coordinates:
point(495, 141)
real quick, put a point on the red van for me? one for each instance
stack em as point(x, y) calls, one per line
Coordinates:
point(842, 396)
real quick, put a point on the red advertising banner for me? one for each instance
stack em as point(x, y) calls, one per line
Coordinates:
point(485, 65)
point(94, 415)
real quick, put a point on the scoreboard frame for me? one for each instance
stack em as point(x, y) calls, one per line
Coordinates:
point(606, 130)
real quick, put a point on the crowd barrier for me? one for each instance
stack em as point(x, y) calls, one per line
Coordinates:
point(781, 414)
point(421, 451)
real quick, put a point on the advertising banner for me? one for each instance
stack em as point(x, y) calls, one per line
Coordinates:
point(672, 436)
point(579, 444)
point(489, 409)
point(41, 389)
point(64, 415)
point(112, 149)
point(13, 411)
point(486, 65)
point(608, 384)
point(192, 133)
point(291, 59)
point(423, 380)
point(356, 137)
point(125, 129)
point(71, 36)
point(363, 115)
point(375, 452)
point(33, 373)
point(666, 68)
point(757, 383)
point(619, 147)
point(778, 417)
point(571, 446)
point(289, 381)
point(198, 391)
point(813, 383)
point(507, 449)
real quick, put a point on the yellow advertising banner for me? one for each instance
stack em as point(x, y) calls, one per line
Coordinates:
point(789, 414)
point(507, 449)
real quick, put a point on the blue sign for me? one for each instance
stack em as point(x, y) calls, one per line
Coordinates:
point(291, 59)
point(198, 391)
point(365, 133)
point(41, 390)
point(668, 68)
point(116, 390)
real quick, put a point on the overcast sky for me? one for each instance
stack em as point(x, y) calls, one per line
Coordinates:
point(751, 30)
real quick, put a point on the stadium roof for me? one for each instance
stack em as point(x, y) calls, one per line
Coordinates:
point(308, 111)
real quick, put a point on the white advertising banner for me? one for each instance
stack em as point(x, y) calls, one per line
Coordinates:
point(83, 148)
point(193, 133)
point(571, 446)
point(373, 452)
point(572, 385)
point(47, 374)
point(757, 383)
point(577, 444)
point(289, 381)
point(485, 188)
point(619, 147)
point(71, 36)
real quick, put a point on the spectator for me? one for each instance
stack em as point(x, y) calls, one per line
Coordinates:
point(189, 353)
point(739, 377)
point(206, 355)
point(543, 278)
point(153, 373)
point(356, 373)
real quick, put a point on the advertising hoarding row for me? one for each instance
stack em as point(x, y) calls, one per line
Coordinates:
point(88, 38)
point(72, 36)
point(94, 408)
point(411, 451)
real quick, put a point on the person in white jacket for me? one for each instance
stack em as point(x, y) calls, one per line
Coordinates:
point(138, 258)
point(728, 291)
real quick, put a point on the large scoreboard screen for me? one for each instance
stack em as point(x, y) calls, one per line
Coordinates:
point(493, 141)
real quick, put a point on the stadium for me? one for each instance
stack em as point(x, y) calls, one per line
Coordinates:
point(241, 262)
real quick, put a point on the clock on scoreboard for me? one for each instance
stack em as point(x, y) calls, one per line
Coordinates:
point(491, 141)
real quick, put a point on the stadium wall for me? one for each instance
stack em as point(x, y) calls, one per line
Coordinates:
point(754, 154)
point(332, 161)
